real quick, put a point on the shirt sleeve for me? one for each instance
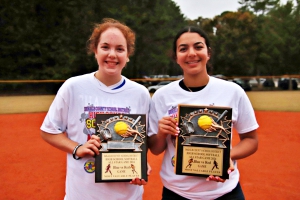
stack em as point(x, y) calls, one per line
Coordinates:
point(56, 119)
point(246, 120)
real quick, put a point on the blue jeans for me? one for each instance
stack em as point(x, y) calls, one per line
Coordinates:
point(235, 194)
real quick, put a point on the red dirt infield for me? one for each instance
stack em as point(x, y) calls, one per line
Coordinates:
point(32, 169)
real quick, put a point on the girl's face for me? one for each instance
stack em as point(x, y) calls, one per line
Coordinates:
point(111, 53)
point(192, 53)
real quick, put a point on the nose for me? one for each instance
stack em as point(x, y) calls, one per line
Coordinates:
point(191, 52)
point(112, 53)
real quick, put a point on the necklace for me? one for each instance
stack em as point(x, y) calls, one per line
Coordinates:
point(188, 88)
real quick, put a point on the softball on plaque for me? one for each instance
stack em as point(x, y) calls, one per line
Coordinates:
point(123, 151)
point(204, 142)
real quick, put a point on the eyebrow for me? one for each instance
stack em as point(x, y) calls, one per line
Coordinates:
point(199, 43)
point(194, 44)
point(105, 43)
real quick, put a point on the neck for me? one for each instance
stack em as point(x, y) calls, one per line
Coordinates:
point(195, 81)
point(107, 80)
point(190, 89)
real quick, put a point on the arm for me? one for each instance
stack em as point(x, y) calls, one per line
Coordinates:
point(157, 144)
point(62, 142)
point(166, 126)
point(247, 146)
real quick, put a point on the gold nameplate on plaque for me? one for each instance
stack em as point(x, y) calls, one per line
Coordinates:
point(204, 142)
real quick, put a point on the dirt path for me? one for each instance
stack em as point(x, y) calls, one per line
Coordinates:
point(32, 169)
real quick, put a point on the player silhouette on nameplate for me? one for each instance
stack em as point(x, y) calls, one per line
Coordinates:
point(215, 165)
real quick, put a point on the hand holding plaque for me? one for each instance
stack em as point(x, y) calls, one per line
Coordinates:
point(203, 145)
point(123, 148)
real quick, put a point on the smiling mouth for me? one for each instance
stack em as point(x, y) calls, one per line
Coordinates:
point(193, 62)
point(111, 63)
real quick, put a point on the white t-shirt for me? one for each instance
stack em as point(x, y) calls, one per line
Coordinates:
point(74, 110)
point(216, 93)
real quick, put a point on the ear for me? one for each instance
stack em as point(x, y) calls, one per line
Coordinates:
point(209, 52)
point(95, 53)
point(127, 60)
point(175, 59)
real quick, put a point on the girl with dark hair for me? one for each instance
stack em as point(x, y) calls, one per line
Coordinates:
point(192, 51)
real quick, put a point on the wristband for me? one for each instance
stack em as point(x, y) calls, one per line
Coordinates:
point(74, 152)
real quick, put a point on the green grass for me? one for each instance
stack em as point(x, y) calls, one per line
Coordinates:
point(275, 100)
point(261, 100)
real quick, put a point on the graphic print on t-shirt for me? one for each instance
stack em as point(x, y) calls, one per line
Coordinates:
point(172, 112)
point(89, 114)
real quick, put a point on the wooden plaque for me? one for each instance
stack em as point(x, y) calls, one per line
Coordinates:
point(123, 152)
point(204, 142)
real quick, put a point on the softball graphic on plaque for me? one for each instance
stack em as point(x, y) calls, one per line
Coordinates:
point(123, 147)
point(203, 144)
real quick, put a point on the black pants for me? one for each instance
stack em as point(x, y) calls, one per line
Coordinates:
point(235, 194)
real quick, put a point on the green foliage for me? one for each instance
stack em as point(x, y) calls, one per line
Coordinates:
point(155, 23)
point(247, 44)
point(41, 39)
point(233, 43)
point(47, 39)
point(258, 6)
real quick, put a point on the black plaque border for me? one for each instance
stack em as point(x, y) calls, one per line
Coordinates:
point(98, 158)
point(184, 109)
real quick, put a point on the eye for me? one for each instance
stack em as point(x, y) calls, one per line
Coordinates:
point(199, 47)
point(182, 49)
point(104, 47)
point(120, 49)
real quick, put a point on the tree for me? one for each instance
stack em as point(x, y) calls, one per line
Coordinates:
point(41, 39)
point(155, 23)
point(259, 7)
point(279, 37)
point(47, 40)
point(233, 45)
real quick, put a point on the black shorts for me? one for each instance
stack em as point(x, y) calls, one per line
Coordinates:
point(235, 194)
